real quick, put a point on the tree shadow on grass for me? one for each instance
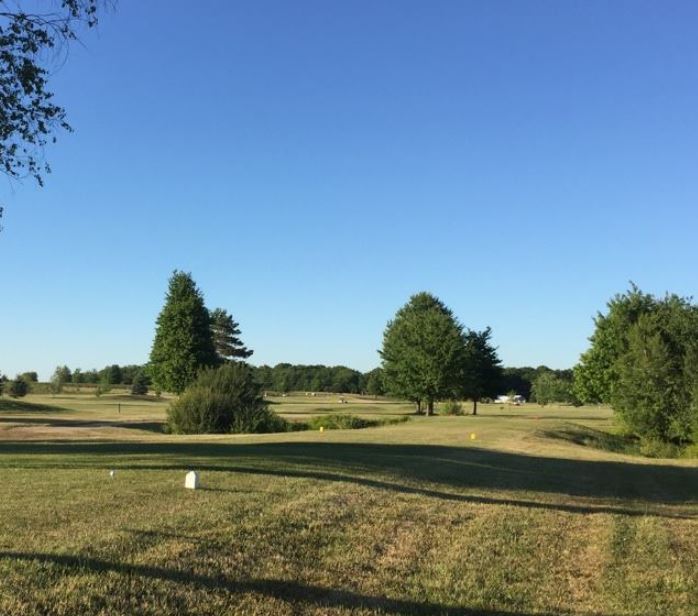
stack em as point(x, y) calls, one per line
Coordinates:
point(13, 405)
point(612, 486)
point(286, 590)
point(599, 439)
point(157, 427)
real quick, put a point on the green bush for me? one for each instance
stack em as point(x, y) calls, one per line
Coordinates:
point(339, 422)
point(18, 388)
point(350, 422)
point(223, 400)
point(139, 387)
point(451, 407)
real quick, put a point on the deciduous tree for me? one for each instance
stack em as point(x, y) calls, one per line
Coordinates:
point(596, 374)
point(549, 387)
point(423, 352)
point(29, 117)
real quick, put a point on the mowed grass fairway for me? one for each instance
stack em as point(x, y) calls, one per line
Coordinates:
point(411, 518)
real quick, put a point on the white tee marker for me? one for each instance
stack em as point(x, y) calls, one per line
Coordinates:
point(191, 481)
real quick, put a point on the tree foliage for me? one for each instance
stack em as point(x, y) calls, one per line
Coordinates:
point(656, 394)
point(140, 384)
point(29, 117)
point(112, 375)
point(62, 375)
point(423, 352)
point(373, 382)
point(482, 369)
point(287, 377)
point(549, 387)
point(226, 331)
point(643, 360)
point(597, 372)
point(222, 400)
point(183, 344)
point(18, 388)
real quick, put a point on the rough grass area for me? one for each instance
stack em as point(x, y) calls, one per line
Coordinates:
point(619, 442)
point(446, 515)
point(350, 422)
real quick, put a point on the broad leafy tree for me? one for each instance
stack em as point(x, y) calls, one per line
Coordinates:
point(31, 37)
point(548, 387)
point(112, 375)
point(482, 369)
point(644, 362)
point(183, 344)
point(423, 352)
point(62, 375)
point(226, 331)
point(597, 373)
point(656, 394)
point(374, 382)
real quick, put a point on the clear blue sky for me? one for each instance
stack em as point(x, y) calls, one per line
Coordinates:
point(314, 163)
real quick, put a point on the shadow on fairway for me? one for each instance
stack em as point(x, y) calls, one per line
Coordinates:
point(157, 427)
point(10, 405)
point(617, 487)
point(286, 590)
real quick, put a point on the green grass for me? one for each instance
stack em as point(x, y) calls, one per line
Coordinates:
point(410, 518)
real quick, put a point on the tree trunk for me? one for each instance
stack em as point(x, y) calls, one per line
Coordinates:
point(419, 407)
point(430, 408)
point(474, 407)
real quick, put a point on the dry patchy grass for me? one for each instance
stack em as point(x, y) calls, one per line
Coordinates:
point(413, 518)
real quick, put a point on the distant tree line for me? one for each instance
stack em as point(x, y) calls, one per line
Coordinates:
point(316, 378)
point(113, 374)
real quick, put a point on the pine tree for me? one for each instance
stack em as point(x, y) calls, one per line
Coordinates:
point(225, 331)
point(183, 343)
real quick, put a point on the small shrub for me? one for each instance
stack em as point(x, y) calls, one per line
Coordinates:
point(339, 422)
point(139, 387)
point(102, 389)
point(222, 400)
point(452, 407)
point(350, 422)
point(655, 448)
point(18, 388)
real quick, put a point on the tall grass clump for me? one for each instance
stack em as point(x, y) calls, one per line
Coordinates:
point(350, 422)
point(451, 407)
point(223, 400)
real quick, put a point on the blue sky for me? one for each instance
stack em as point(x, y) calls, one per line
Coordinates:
point(314, 163)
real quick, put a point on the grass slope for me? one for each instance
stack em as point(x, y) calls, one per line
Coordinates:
point(411, 518)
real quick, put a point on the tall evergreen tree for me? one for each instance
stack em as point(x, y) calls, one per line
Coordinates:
point(225, 331)
point(482, 369)
point(423, 352)
point(183, 343)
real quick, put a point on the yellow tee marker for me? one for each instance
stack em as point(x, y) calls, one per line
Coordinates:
point(472, 436)
point(322, 428)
